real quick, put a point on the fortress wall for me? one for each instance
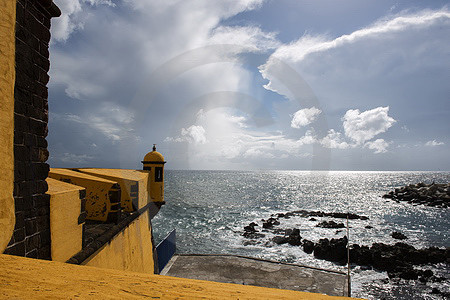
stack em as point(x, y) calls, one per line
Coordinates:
point(67, 218)
point(129, 250)
point(31, 235)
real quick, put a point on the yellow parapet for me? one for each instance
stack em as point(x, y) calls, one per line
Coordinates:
point(26, 278)
point(133, 185)
point(66, 226)
point(102, 195)
point(7, 79)
point(130, 250)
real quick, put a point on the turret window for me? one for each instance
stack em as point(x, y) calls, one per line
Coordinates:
point(158, 174)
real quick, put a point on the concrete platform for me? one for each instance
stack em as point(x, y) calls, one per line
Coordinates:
point(257, 272)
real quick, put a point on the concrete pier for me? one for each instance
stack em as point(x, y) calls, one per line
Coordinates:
point(257, 272)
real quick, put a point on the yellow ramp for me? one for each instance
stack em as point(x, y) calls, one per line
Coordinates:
point(26, 278)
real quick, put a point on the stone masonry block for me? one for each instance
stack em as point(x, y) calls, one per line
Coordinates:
point(16, 249)
point(30, 226)
point(20, 222)
point(19, 235)
point(32, 242)
point(32, 254)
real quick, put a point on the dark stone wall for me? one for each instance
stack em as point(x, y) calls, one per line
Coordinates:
point(31, 237)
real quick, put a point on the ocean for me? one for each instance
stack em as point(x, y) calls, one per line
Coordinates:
point(209, 209)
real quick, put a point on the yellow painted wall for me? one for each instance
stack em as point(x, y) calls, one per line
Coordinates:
point(98, 204)
point(154, 189)
point(157, 188)
point(125, 178)
point(7, 78)
point(65, 208)
point(25, 278)
point(129, 250)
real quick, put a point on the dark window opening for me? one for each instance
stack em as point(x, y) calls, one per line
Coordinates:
point(158, 174)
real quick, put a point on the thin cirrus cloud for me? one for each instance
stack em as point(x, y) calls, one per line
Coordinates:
point(308, 44)
point(396, 45)
point(111, 121)
point(252, 38)
point(76, 159)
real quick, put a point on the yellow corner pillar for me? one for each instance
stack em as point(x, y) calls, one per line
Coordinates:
point(154, 164)
point(7, 78)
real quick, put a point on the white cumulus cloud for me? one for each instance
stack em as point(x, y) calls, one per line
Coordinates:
point(258, 153)
point(333, 140)
point(304, 117)
point(379, 145)
point(193, 134)
point(363, 126)
point(434, 143)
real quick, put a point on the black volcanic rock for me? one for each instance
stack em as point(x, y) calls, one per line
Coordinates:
point(434, 194)
point(398, 235)
point(250, 228)
point(308, 246)
point(294, 238)
point(253, 235)
point(330, 224)
point(280, 240)
point(320, 214)
point(334, 250)
point(270, 223)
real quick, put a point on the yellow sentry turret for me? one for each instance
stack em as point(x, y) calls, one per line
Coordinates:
point(154, 164)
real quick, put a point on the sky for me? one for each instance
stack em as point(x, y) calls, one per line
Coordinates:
point(251, 84)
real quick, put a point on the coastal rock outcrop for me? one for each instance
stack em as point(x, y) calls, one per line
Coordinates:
point(251, 233)
point(292, 237)
point(269, 223)
point(308, 213)
point(330, 224)
point(398, 259)
point(434, 194)
point(398, 235)
point(334, 250)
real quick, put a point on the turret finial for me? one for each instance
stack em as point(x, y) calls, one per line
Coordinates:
point(154, 147)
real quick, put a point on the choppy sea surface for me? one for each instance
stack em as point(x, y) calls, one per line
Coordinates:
point(210, 208)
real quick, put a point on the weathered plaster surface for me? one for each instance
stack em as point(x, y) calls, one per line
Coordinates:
point(131, 249)
point(7, 76)
point(65, 207)
point(26, 278)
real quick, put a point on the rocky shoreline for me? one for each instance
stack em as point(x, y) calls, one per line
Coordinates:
point(398, 260)
point(434, 194)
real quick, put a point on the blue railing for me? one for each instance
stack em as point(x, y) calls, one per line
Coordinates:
point(166, 249)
